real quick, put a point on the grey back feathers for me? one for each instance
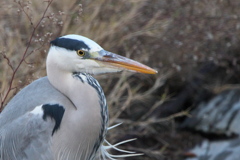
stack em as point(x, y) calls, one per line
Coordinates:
point(29, 136)
point(24, 134)
point(37, 93)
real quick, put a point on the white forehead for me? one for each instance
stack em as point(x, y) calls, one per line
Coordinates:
point(90, 43)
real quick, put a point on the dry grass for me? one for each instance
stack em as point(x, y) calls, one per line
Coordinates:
point(175, 37)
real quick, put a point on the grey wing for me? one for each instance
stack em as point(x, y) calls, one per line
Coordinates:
point(28, 137)
point(37, 93)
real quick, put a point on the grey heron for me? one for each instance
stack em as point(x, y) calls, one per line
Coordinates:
point(74, 100)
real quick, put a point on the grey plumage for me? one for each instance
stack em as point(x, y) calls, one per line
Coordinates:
point(38, 124)
point(26, 98)
point(37, 93)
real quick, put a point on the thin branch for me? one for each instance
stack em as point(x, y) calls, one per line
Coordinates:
point(25, 52)
point(35, 50)
point(29, 18)
point(153, 121)
point(8, 61)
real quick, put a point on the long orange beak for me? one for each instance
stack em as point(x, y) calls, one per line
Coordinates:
point(118, 61)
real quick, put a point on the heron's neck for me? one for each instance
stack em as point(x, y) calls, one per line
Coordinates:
point(60, 79)
point(90, 115)
point(70, 86)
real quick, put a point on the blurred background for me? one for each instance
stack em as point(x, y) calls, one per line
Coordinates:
point(193, 44)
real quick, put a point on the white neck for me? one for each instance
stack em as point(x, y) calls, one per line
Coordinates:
point(82, 121)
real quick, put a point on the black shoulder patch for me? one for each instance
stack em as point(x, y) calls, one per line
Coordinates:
point(71, 44)
point(54, 111)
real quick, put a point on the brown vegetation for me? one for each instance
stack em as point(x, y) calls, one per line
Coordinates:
point(193, 44)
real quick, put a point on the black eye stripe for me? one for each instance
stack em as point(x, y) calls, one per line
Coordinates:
point(70, 44)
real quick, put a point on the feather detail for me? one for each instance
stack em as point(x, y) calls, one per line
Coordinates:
point(105, 153)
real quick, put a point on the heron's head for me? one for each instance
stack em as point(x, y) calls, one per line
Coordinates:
point(76, 53)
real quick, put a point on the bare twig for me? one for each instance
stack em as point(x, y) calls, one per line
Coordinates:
point(124, 106)
point(152, 121)
point(24, 11)
point(10, 88)
point(8, 61)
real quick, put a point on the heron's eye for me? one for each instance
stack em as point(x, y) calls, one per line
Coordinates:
point(80, 53)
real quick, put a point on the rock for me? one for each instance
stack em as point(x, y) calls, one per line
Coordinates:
point(217, 150)
point(219, 116)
